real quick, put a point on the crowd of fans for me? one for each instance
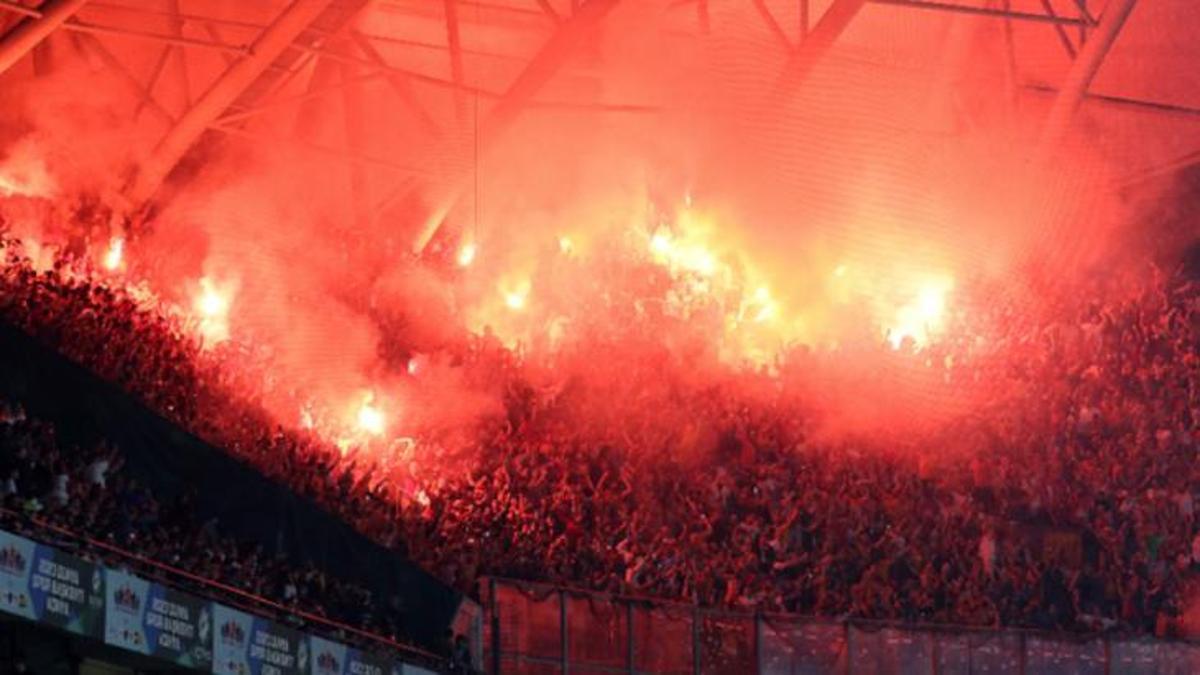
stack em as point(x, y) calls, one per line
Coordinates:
point(80, 497)
point(1064, 499)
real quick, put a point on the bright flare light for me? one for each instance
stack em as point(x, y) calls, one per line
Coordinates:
point(370, 418)
point(687, 256)
point(466, 254)
point(212, 306)
point(210, 303)
point(515, 300)
point(924, 316)
point(516, 297)
point(115, 254)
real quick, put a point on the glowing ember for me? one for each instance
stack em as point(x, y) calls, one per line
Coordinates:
point(466, 254)
point(370, 418)
point(116, 252)
point(565, 246)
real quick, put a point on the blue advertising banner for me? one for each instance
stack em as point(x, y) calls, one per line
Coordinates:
point(43, 584)
point(244, 644)
point(332, 658)
point(155, 620)
point(326, 657)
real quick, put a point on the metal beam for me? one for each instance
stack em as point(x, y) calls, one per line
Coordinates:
point(983, 11)
point(399, 83)
point(549, 10)
point(773, 25)
point(816, 43)
point(537, 73)
point(454, 42)
point(30, 32)
point(1084, 70)
point(270, 44)
point(91, 43)
point(1058, 28)
point(77, 26)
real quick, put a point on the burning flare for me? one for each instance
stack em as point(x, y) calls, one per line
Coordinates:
point(370, 418)
point(924, 316)
point(115, 254)
point(212, 307)
point(466, 254)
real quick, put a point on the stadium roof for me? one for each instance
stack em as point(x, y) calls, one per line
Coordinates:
point(438, 81)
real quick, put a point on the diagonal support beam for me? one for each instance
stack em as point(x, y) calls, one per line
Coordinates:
point(773, 25)
point(1084, 70)
point(269, 45)
point(31, 31)
point(553, 54)
point(816, 43)
point(400, 84)
point(454, 42)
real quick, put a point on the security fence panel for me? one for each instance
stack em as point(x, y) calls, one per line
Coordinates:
point(1045, 656)
point(598, 632)
point(1148, 657)
point(801, 648)
point(662, 639)
point(953, 653)
point(889, 650)
point(994, 652)
point(910, 651)
point(523, 665)
point(974, 652)
point(530, 623)
point(726, 644)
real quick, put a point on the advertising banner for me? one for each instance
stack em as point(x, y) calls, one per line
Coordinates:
point(152, 619)
point(332, 658)
point(244, 644)
point(359, 662)
point(55, 588)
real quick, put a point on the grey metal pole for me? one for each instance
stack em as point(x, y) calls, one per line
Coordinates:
point(31, 31)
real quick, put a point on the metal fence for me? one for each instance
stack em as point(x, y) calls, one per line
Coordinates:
point(542, 630)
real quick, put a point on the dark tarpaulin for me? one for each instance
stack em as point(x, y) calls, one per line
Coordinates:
point(248, 505)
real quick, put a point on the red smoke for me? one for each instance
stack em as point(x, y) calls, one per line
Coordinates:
point(708, 231)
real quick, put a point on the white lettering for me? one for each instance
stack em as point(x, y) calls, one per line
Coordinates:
point(169, 641)
point(56, 606)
